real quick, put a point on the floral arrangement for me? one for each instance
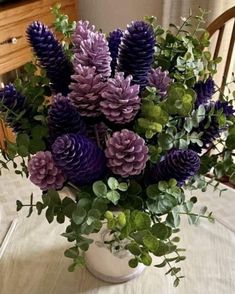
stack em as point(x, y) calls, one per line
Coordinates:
point(130, 125)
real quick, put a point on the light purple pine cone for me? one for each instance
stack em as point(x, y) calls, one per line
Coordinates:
point(86, 91)
point(44, 173)
point(160, 80)
point(82, 32)
point(120, 101)
point(126, 153)
point(94, 51)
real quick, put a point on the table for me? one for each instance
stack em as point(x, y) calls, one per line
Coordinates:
point(33, 262)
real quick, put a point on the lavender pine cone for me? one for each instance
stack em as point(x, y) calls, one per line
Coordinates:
point(160, 80)
point(120, 101)
point(178, 164)
point(86, 91)
point(82, 32)
point(126, 153)
point(79, 158)
point(136, 51)
point(51, 56)
point(204, 91)
point(94, 52)
point(44, 173)
point(63, 118)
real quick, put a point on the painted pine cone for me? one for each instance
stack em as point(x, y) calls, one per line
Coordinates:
point(79, 158)
point(63, 118)
point(126, 153)
point(178, 164)
point(120, 101)
point(136, 50)
point(86, 89)
point(204, 91)
point(51, 56)
point(94, 52)
point(160, 80)
point(44, 173)
point(82, 32)
point(114, 40)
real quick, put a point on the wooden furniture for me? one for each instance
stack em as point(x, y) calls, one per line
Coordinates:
point(14, 19)
point(219, 24)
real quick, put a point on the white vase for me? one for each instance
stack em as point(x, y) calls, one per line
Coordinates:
point(110, 263)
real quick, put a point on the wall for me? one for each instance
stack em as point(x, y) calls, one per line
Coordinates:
point(110, 14)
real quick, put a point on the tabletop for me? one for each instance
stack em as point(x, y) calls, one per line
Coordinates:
point(33, 262)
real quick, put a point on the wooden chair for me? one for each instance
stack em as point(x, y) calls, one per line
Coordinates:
point(219, 24)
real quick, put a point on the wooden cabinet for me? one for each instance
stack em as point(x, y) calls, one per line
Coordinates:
point(14, 19)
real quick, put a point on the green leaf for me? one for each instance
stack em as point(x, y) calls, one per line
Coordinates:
point(141, 220)
point(121, 219)
point(146, 259)
point(133, 262)
point(71, 252)
point(23, 151)
point(165, 141)
point(151, 243)
point(22, 140)
point(49, 215)
point(95, 213)
point(113, 183)
point(100, 204)
point(19, 205)
point(161, 264)
point(134, 248)
point(113, 196)
point(152, 191)
point(39, 206)
point(188, 124)
point(123, 187)
point(161, 231)
point(162, 249)
point(99, 189)
point(85, 203)
point(79, 215)
point(54, 197)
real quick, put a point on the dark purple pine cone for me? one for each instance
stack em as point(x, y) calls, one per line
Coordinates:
point(63, 118)
point(213, 132)
point(13, 100)
point(114, 40)
point(126, 153)
point(86, 88)
point(51, 56)
point(79, 158)
point(204, 91)
point(136, 51)
point(120, 101)
point(44, 173)
point(178, 164)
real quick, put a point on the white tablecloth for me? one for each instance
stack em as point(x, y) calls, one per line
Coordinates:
point(33, 262)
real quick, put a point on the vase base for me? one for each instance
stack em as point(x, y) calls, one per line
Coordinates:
point(115, 279)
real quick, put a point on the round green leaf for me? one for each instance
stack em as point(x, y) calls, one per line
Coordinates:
point(79, 215)
point(99, 189)
point(112, 183)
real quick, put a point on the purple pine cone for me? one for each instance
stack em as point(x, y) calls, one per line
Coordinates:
point(214, 130)
point(13, 100)
point(94, 51)
point(51, 56)
point(114, 40)
point(44, 173)
point(79, 158)
point(120, 101)
point(160, 80)
point(63, 118)
point(82, 32)
point(126, 153)
point(204, 91)
point(86, 90)
point(177, 164)
point(136, 51)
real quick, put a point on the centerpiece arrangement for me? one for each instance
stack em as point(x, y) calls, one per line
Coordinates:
point(128, 122)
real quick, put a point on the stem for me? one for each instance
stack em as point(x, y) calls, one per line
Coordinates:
point(194, 214)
